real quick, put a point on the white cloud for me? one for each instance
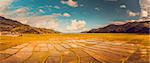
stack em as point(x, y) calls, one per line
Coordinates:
point(77, 25)
point(144, 13)
point(145, 8)
point(98, 9)
point(145, 4)
point(66, 15)
point(81, 5)
point(6, 12)
point(59, 14)
point(4, 6)
point(70, 3)
point(22, 15)
point(57, 7)
point(40, 10)
point(118, 23)
point(56, 14)
point(123, 6)
point(22, 10)
point(130, 13)
point(40, 21)
point(127, 21)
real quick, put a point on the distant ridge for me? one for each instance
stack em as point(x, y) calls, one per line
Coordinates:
point(15, 26)
point(129, 27)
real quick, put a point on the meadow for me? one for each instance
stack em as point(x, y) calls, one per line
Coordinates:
point(75, 48)
point(9, 41)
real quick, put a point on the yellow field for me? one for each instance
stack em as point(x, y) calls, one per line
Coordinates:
point(8, 41)
point(75, 48)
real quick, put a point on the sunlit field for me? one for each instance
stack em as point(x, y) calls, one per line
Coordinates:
point(75, 48)
point(9, 41)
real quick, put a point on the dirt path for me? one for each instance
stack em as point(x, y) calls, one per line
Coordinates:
point(68, 52)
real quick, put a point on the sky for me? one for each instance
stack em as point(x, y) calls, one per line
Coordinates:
point(71, 16)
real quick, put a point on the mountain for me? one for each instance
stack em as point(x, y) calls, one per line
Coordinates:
point(15, 26)
point(129, 27)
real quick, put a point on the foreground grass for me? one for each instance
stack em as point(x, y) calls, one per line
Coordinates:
point(9, 41)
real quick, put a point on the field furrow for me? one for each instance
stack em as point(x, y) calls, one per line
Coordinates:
point(12, 51)
point(75, 50)
point(104, 54)
point(38, 54)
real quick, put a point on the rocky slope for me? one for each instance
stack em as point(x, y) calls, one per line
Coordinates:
point(129, 27)
point(15, 26)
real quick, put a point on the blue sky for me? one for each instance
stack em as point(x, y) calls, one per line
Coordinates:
point(74, 15)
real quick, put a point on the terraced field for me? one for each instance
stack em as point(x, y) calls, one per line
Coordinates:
point(75, 51)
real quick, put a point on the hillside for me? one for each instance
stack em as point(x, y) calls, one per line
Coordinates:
point(129, 27)
point(15, 26)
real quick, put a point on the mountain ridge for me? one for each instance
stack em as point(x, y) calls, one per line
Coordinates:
point(129, 27)
point(10, 25)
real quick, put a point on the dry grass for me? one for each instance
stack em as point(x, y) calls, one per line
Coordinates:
point(9, 41)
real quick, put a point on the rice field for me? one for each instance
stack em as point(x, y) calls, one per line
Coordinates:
point(75, 48)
